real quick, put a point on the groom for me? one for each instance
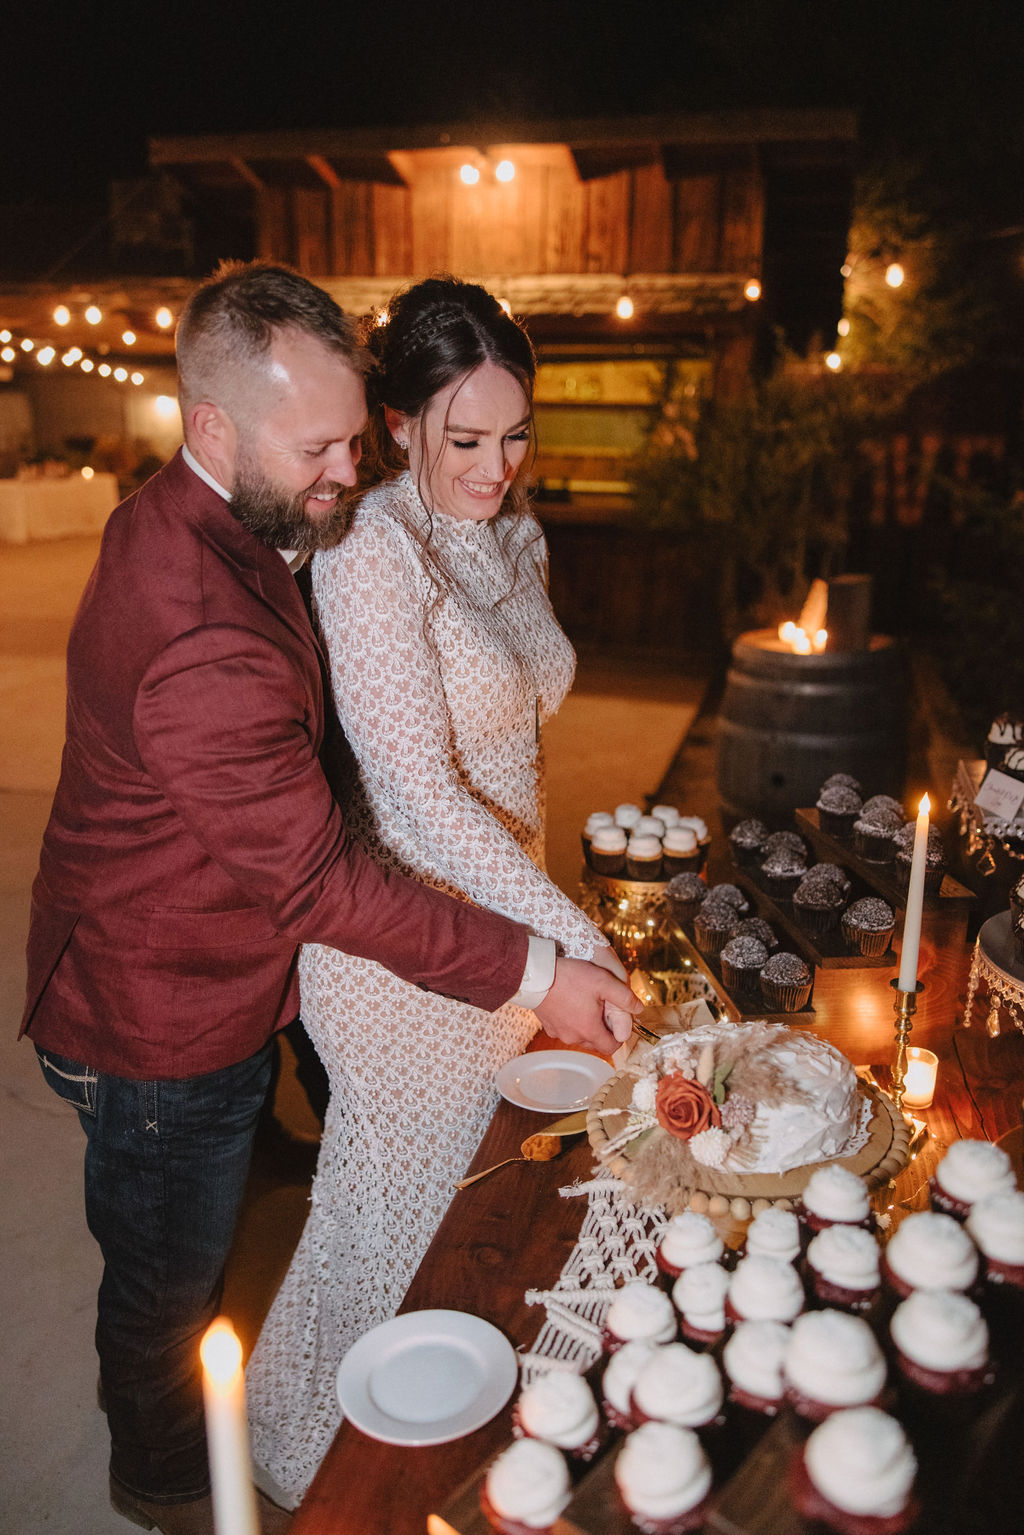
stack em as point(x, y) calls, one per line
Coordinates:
point(194, 843)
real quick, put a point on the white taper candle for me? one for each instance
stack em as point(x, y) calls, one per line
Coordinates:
point(227, 1434)
point(915, 903)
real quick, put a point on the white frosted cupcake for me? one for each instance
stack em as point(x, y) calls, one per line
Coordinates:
point(559, 1407)
point(643, 857)
point(856, 1474)
point(608, 850)
point(677, 1385)
point(619, 1379)
point(627, 816)
point(668, 815)
point(832, 1360)
point(663, 1477)
point(699, 1296)
point(941, 1342)
point(997, 1226)
point(835, 1196)
point(970, 1171)
point(843, 1268)
point(928, 1251)
point(599, 820)
point(649, 826)
point(752, 1360)
point(688, 1239)
point(764, 1290)
point(774, 1233)
point(639, 1312)
point(526, 1488)
point(682, 850)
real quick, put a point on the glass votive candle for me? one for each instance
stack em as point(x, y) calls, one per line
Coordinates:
point(919, 1082)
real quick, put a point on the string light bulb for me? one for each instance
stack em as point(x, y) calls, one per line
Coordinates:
point(843, 327)
point(5, 336)
point(833, 361)
point(121, 374)
point(61, 315)
point(752, 291)
point(624, 307)
point(137, 378)
point(46, 355)
point(469, 175)
point(894, 275)
point(104, 370)
point(164, 317)
point(87, 365)
point(8, 354)
point(128, 337)
point(28, 344)
point(504, 170)
point(93, 314)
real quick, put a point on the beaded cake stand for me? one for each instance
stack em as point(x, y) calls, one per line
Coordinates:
point(995, 963)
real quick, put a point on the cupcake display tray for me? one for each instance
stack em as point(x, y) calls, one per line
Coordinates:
point(974, 1491)
point(827, 950)
point(881, 877)
point(736, 1004)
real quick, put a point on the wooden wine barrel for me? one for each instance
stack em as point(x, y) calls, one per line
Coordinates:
point(788, 721)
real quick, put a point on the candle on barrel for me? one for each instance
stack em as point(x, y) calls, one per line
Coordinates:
point(227, 1435)
point(915, 903)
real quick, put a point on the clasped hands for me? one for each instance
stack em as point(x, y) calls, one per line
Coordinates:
point(590, 1003)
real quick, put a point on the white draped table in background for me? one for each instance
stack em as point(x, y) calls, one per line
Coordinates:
point(39, 509)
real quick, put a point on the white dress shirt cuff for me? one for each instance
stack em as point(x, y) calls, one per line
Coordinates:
point(539, 975)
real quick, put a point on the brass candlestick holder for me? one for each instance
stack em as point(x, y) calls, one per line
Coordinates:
point(905, 1007)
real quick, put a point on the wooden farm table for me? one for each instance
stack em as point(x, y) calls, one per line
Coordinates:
point(512, 1232)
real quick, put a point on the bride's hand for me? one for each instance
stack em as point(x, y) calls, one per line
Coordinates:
point(574, 1009)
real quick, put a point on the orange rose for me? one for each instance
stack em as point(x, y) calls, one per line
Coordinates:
point(684, 1107)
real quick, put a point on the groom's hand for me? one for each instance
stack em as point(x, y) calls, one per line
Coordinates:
point(574, 1009)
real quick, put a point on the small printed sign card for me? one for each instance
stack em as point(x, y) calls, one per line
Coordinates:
point(1000, 795)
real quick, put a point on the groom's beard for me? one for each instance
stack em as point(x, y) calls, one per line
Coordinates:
point(281, 520)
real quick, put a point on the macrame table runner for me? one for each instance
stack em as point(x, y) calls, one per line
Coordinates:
point(617, 1243)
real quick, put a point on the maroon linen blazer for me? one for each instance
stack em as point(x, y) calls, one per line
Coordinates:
point(194, 841)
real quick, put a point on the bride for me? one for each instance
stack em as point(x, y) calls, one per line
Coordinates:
point(446, 659)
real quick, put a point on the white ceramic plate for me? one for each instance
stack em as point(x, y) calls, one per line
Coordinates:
point(426, 1377)
point(552, 1081)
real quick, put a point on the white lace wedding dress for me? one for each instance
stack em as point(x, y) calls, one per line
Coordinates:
point(445, 657)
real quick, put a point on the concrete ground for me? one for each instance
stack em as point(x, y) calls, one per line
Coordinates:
point(616, 739)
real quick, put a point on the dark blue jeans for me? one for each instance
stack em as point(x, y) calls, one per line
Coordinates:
point(165, 1170)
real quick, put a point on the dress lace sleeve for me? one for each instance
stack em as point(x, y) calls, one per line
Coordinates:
point(373, 598)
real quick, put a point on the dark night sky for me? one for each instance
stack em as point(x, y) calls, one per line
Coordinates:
point(83, 86)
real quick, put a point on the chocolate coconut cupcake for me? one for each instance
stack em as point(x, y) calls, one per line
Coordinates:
point(686, 894)
point(783, 870)
point(757, 927)
point(714, 925)
point(873, 833)
point(935, 857)
point(746, 839)
point(819, 898)
point(879, 803)
point(838, 808)
point(785, 983)
point(742, 961)
point(868, 926)
point(729, 895)
point(843, 781)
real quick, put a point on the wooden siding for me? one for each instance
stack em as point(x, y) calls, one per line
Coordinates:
point(545, 221)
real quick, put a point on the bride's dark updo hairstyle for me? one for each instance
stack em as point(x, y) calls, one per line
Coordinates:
point(432, 334)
